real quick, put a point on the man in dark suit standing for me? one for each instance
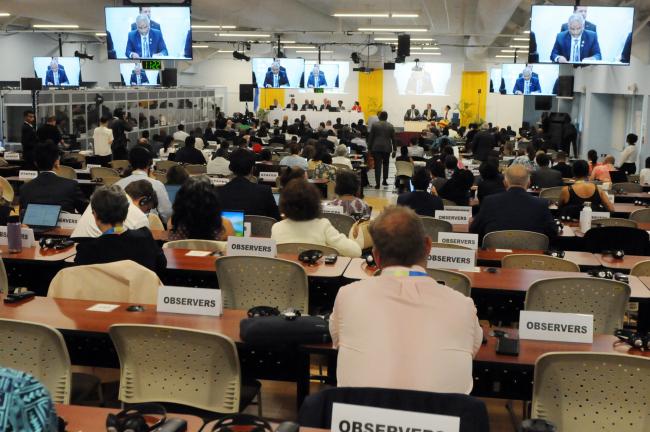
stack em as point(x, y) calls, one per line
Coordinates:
point(514, 209)
point(576, 45)
point(120, 126)
point(48, 187)
point(138, 76)
point(483, 143)
point(292, 105)
point(429, 113)
point(276, 76)
point(28, 138)
point(412, 114)
point(49, 131)
point(145, 42)
point(240, 194)
point(527, 83)
point(582, 10)
point(153, 24)
point(56, 75)
point(381, 141)
point(544, 176)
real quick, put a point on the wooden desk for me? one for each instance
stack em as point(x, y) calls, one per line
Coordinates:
point(625, 264)
point(492, 257)
point(81, 182)
point(93, 419)
point(160, 235)
point(37, 254)
point(620, 209)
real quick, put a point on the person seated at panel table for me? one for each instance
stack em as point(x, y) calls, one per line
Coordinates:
point(412, 113)
point(306, 106)
point(356, 107)
point(276, 77)
point(514, 209)
point(300, 204)
point(189, 154)
point(545, 177)
point(582, 10)
point(110, 207)
point(146, 11)
point(241, 194)
point(316, 78)
point(145, 41)
point(576, 44)
point(142, 199)
point(429, 113)
point(527, 83)
point(418, 315)
point(601, 172)
point(138, 76)
point(48, 187)
point(420, 200)
point(573, 197)
point(292, 105)
point(347, 191)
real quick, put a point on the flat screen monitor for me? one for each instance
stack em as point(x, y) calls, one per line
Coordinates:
point(58, 71)
point(133, 75)
point(530, 79)
point(163, 32)
point(41, 215)
point(172, 190)
point(495, 81)
point(278, 73)
point(323, 75)
point(427, 79)
point(581, 34)
point(236, 219)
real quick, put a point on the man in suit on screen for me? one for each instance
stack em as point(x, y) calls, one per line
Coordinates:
point(316, 78)
point(576, 45)
point(55, 75)
point(153, 24)
point(527, 83)
point(582, 10)
point(276, 76)
point(138, 76)
point(145, 42)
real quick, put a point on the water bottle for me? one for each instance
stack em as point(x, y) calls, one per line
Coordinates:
point(14, 239)
point(585, 218)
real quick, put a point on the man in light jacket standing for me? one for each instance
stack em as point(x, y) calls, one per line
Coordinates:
point(381, 141)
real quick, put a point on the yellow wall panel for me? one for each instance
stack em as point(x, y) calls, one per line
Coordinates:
point(473, 97)
point(371, 92)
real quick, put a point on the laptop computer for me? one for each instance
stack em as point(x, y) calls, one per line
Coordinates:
point(618, 176)
point(41, 217)
point(172, 190)
point(236, 219)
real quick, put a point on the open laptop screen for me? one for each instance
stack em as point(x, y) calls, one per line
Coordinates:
point(236, 218)
point(41, 215)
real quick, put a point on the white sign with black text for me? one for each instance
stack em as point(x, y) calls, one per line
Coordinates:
point(27, 174)
point(599, 215)
point(448, 258)
point(251, 246)
point(267, 176)
point(356, 418)
point(333, 209)
point(27, 235)
point(189, 301)
point(68, 220)
point(219, 181)
point(453, 217)
point(12, 156)
point(556, 326)
point(460, 239)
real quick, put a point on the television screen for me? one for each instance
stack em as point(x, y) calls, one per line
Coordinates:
point(422, 78)
point(284, 72)
point(323, 75)
point(149, 32)
point(58, 71)
point(581, 34)
point(495, 81)
point(133, 75)
point(531, 79)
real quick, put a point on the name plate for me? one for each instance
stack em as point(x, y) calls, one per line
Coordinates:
point(27, 174)
point(461, 239)
point(447, 258)
point(27, 235)
point(189, 301)
point(89, 166)
point(355, 418)
point(12, 156)
point(268, 176)
point(453, 217)
point(459, 208)
point(333, 209)
point(599, 215)
point(219, 181)
point(68, 220)
point(251, 246)
point(556, 327)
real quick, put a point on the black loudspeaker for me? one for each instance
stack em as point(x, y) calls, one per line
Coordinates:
point(565, 86)
point(543, 103)
point(403, 45)
point(169, 78)
point(389, 66)
point(246, 93)
point(31, 84)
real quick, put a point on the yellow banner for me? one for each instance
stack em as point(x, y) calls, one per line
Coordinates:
point(268, 96)
point(371, 92)
point(473, 97)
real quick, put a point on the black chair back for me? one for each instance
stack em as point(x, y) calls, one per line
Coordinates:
point(633, 241)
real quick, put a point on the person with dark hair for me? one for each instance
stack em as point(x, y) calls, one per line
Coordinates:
point(644, 175)
point(420, 200)
point(120, 126)
point(573, 197)
point(102, 140)
point(292, 173)
point(167, 150)
point(28, 138)
point(457, 188)
point(491, 180)
point(110, 206)
point(347, 190)
point(451, 165)
point(324, 168)
point(377, 321)
point(601, 172)
point(220, 165)
point(562, 166)
point(49, 131)
point(176, 175)
point(404, 155)
point(628, 155)
point(545, 177)
point(241, 194)
point(265, 157)
point(592, 157)
point(438, 173)
point(482, 142)
point(189, 154)
point(300, 205)
point(381, 142)
point(141, 161)
point(197, 212)
point(48, 187)
point(180, 135)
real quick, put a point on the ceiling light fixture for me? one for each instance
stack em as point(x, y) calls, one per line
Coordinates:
point(360, 15)
point(226, 51)
point(284, 42)
point(392, 30)
point(100, 34)
point(521, 39)
point(4, 14)
point(51, 26)
point(200, 46)
point(252, 35)
point(503, 56)
point(301, 47)
point(519, 46)
point(404, 15)
point(431, 48)
point(513, 51)
point(225, 27)
point(527, 31)
point(386, 39)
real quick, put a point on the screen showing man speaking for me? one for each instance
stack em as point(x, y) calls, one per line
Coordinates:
point(529, 79)
point(422, 78)
point(149, 32)
point(278, 73)
point(58, 71)
point(133, 75)
point(323, 75)
point(581, 34)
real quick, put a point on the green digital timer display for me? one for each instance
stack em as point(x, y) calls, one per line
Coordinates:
point(152, 64)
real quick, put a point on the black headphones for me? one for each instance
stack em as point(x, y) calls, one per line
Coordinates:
point(633, 339)
point(240, 423)
point(55, 243)
point(555, 253)
point(132, 419)
point(370, 261)
point(310, 256)
point(145, 200)
point(601, 273)
point(263, 311)
point(616, 254)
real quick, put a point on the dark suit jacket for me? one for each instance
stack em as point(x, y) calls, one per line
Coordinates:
point(533, 87)
point(588, 26)
point(429, 114)
point(282, 79)
point(565, 170)
point(49, 188)
point(143, 78)
point(306, 107)
point(489, 187)
point(482, 144)
point(407, 115)
point(135, 245)
point(251, 198)
point(627, 49)
point(156, 43)
point(187, 51)
point(49, 77)
point(292, 107)
point(514, 209)
point(546, 178)
point(48, 132)
point(588, 46)
point(321, 80)
point(423, 203)
point(382, 137)
point(190, 155)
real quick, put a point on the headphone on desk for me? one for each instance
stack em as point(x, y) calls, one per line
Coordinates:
point(55, 243)
point(133, 418)
point(241, 423)
point(633, 338)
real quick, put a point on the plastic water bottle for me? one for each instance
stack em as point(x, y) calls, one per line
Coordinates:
point(14, 240)
point(585, 218)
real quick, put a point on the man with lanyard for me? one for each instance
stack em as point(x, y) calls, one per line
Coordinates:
point(416, 333)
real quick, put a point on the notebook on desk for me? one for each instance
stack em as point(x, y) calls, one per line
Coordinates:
point(41, 217)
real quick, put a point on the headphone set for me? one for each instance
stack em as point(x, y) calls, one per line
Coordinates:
point(240, 423)
point(310, 256)
point(641, 203)
point(555, 253)
point(55, 243)
point(145, 200)
point(616, 254)
point(133, 419)
point(289, 314)
point(633, 339)
point(608, 274)
point(559, 226)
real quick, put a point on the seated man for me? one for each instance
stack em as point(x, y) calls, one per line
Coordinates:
point(142, 199)
point(189, 154)
point(116, 243)
point(424, 203)
point(48, 187)
point(514, 209)
point(427, 334)
point(294, 159)
point(545, 177)
point(561, 165)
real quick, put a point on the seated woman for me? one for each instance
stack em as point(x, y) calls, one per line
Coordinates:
point(300, 205)
point(324, 169)
point(457, 188)
point(110, 206)
point(526, 159)
point(176, 175)
point(404, 155)
point(573, 197)
point(292, 173)
point(197, 213)
point(347, 189)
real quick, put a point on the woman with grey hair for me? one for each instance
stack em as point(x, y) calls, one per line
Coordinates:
point(341, 156)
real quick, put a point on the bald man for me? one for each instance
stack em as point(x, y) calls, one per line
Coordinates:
point(418, 315)
point(514, 209)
